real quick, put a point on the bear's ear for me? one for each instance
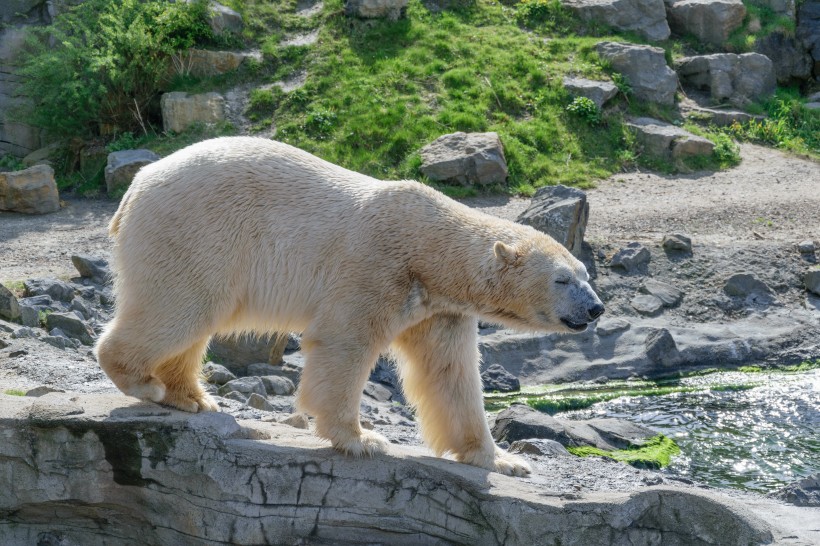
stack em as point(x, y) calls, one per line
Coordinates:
point(506, 253)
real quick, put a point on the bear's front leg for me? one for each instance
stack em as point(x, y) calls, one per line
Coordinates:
point(438, 363)
point(331, 388)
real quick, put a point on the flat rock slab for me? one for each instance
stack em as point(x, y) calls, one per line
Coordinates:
point(599, 92)
point(107, 468)
point(663, 140)
point(646, 17)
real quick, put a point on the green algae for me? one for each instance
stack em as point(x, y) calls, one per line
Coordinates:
point(657, 452)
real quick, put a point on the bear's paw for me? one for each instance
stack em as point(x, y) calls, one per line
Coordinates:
point(368, 443)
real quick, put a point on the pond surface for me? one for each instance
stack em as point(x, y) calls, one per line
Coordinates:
point(759, 437)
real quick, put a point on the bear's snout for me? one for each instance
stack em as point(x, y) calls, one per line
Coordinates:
point(596, 311)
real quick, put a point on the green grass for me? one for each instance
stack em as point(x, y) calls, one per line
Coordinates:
point(657, 452)
point(14, 392)
point(11, 163)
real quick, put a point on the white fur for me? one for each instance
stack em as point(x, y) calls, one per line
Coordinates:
point(245, 234)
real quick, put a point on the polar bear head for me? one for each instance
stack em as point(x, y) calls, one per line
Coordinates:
point(545, 288)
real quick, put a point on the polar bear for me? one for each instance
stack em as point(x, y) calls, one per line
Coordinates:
point(244, 234)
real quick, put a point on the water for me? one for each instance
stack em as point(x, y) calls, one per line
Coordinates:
point(757, 438)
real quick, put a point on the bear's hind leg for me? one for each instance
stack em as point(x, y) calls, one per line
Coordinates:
point(330, 389)
point(180, 374)
point(126, 365)
point(438, 364)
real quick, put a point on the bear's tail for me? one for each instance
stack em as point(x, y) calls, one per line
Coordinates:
point(114, 224)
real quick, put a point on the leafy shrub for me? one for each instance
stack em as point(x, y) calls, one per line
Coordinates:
point(125, 141)
point(726, 152)
point(103, 63)
point(622, 84)
point(10, 163)
point(586, 109)
point(534, 12)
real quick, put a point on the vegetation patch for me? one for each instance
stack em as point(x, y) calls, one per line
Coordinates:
point(15, 392)
point(657, 452)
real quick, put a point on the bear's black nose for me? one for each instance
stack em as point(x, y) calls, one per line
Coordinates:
point(596, 311)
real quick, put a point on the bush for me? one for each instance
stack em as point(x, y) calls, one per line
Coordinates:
point(586, 109)
point(103, 63)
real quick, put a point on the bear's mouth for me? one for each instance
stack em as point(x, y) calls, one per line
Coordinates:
point(574, 326)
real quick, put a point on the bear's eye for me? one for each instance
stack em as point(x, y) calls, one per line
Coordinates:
point(562, 281)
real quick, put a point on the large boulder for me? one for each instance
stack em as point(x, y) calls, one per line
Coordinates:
point(740, 79)
point(376, 9)
point(808, 30)
point(31, 191)
point(803, 492)
point(644, 68)
point(97, 469)
point(465, 158)
point(789, 58)
point(561, 213)
point(123, 165)
point(662, 140)
point(181, 110)
point(646, 17)
point(710, 21)
point(599, 92)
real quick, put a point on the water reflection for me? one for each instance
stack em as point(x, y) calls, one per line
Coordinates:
point(757, 439)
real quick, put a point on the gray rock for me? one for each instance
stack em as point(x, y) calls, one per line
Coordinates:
point(78, 305)
point(465, 158)
point(286, 370)
point(199, 460)
point(661, 348)
point(56, 289)
point(806, 247)
point(610, 326)
point(537, 446)
point(808, 30)
point(497, 378)
point(376, 9)
point(560, 212)
point(647, 304)
point(223, 19)
point(631, 257)
point(663, 140)
point(666, 293)
point(217, 373)
point(24, 332)
point(9, 308)
point(789, 57)
point(677, 242)
point(710, 21)
point(236, 396)
point(297, 420)
point(122, 166)
point(259, 402)
point(59, 342)
point(14, 10)
point(599, 92)
point(747, 285)
point(720, 116)
point(812, 281)
point(278, 386)
point(72, 326)
point(244, 385)
point(37, 392)
point(89, 267)
point(736, 78)
point(30, 309)
point(180, 110)
point(377, 392)
point(30, 191)
point(803, 492)
point(646, 17)
point(521, 422)
point(780, 7)
point(644, 68)
point(238, 353)
point(203, 63)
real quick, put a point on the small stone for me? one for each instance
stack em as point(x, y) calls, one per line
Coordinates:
point(646, 304)
point(278, 386)
point(803, 492)
point(377, 392)
point(55, 289)
point(297, 420)
point(40, 391)
point(497, 378)
point(677, 242)
point(746, 285)
point(598, 92)
point(245, 385)
point(284, 370)
point(668, 294)
point(57, 341)
point(236, 396)
point(631, 257)
point(79, 306)
point(9, 308)
point(812, 281)
point(538, 446)
point(217, 373)
point(806, 247)
point(72, 326)
point(259, 402)
point(608, 327)
point(661, 348)
point(95, 269)
point(24, 332)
